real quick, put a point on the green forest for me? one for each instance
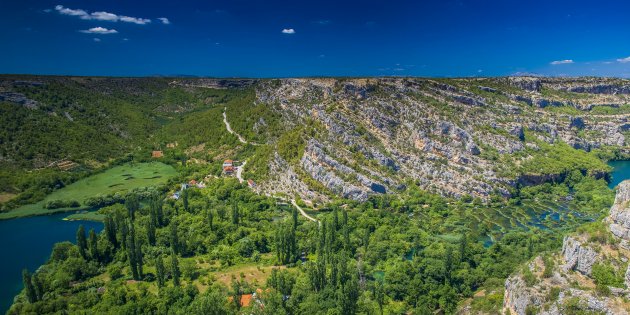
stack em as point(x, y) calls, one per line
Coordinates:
point(227, 248)
point(195, 255)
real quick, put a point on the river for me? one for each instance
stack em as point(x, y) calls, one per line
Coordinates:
point(27, 243)
point(621, 172)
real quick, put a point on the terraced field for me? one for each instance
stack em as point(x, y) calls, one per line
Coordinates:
point(493, 223)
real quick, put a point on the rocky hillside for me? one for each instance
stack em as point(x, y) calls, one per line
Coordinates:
point(320, 138)
point(452, 136)
point(591, 274)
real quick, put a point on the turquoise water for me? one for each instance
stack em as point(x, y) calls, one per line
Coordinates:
point(27, 243)
point(621, 172)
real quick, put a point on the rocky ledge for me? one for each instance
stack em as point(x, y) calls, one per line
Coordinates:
point(566, 283)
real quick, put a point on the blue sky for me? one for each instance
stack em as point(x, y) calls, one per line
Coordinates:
point(315, 38)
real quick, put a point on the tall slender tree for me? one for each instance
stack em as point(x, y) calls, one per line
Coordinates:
point(110, 230)
point(294, 215)
point(93, 245)
point(38, 285)
point(185, 199)
point(139, 261)
point(132, 254)
point(31, 295)
point(160, 271)
point(151, 232)
point(82, 242)
point(235, 214)
point(174, 238)
point(132, 203)
point(175, 268)
point(211, 219)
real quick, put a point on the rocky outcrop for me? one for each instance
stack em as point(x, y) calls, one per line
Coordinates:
point(571, 276)
point(577, 256)
point(531, 84)
point(18, 98)
point(619, 217)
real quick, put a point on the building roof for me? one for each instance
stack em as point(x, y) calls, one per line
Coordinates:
point(157, 154)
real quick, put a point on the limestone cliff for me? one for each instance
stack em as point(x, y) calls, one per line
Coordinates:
point(568, 282)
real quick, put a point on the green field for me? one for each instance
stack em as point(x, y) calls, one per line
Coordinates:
point(86, 216)
point(117, 179)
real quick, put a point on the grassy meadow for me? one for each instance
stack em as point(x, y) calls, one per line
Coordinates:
point(117, 179)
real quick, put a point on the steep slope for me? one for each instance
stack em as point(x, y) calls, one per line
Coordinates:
point(452, 136)
point(591, 274)
point(321, 138)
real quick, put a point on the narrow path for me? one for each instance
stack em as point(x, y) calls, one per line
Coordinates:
point(239, 172)
point(230, 130)
point(304, 213)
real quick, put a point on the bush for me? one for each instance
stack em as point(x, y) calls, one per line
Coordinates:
point(56, 204)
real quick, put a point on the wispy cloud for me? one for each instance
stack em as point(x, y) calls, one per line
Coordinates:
point(323, 22)
point(99, 30)
point(624, 60)
point(101, 16)
point(288, 31)
point(562, 62)
point(164, 20)
point(67, 11)
point(97, 40)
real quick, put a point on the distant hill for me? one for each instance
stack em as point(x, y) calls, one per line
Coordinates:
point(348, 137)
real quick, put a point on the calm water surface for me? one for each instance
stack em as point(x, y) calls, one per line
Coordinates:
point(621, 172)
point(27, 243)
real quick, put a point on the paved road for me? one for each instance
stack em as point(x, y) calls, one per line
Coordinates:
point(304, 213)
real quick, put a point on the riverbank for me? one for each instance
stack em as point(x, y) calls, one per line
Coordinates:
point(115, 180)
point(27, 243)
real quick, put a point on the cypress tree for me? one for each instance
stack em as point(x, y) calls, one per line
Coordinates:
point(211, 219)
point(294, 214)
point(31, 295)
point(185, 199)
point(124, 232)
point(175, 268)
point(93, 245)
point(38, 285)
point(139, 260)
point(463, 247)
point(335, 218)
point(160, 272)
point(151, 232)
point(174, 237)
point(132, 254)
point(132, 203)
point(448, 264)
point(110, 231)
point(235, 214)
point(82, 241)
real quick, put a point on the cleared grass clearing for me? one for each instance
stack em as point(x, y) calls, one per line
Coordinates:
point(117, 179)
point(4, 197)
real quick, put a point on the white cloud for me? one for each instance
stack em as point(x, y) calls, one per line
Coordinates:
point(97, 40)
point(164, 20)
point(66, 11)
point(100, 16)
point(99, 30)
point(562, 62)
point(288, 31)
point(624, 60)
point(130, 19)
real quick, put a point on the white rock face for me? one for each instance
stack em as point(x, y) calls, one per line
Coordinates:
point(577, 256)
point(619, 217)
